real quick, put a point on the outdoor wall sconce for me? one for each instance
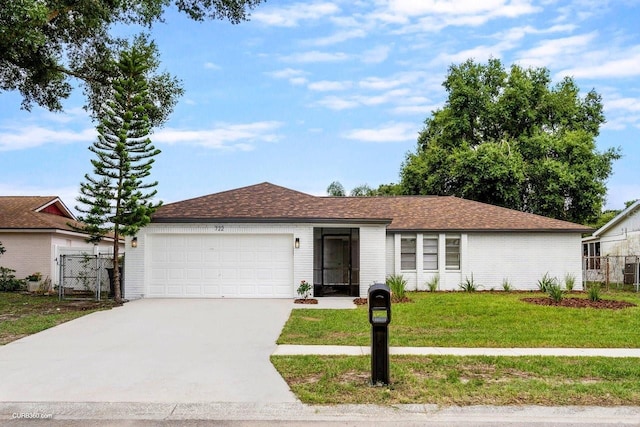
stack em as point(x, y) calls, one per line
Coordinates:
point(134, 242)
point(297, 243)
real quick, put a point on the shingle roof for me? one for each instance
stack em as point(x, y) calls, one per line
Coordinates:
point(268, 202)
point(22, 212)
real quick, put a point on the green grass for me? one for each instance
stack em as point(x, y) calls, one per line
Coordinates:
point(23, 314)
point(480, 319)
point(450, 380)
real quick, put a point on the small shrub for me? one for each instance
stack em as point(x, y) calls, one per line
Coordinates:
point(469, 284)
point(8, 281)
point(397, 285)
point(304, 289)
point(545, 282)
point(35, 277)
point(555, 291)
point(594, 292)
point(569, 281)
point(434, 283)
point(506, 285)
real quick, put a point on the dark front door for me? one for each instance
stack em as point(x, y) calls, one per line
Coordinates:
point(337, 261)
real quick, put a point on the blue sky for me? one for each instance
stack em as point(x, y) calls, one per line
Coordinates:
point(311, 92)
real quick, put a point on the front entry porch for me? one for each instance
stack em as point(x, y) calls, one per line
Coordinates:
point(336, 262)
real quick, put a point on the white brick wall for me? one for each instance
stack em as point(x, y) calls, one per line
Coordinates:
point(522, 258)
point(372, 257)
point(372, 254)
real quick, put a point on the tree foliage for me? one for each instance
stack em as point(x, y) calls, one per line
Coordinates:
point(513, 139)
point(362, 190)
point(46, 44)
point(336, 189)
point(116, 198)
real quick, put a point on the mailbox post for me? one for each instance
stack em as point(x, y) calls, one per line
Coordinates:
point(379, 317)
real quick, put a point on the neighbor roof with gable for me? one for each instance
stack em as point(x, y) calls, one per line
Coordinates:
point(630, 210)
point(267, 202)
point(35, 212)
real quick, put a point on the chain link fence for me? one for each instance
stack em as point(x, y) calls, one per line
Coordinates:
point(86, 276)
point(620, 271)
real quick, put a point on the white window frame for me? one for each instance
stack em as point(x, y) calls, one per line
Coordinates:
point(408, 254)
point(430, 252)
point(450, 244)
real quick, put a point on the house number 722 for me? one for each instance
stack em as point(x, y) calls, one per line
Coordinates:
point(219, 227)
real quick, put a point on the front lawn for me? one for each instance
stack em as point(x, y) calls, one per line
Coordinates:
point(450, 380)
point(475, 319)
point(26, 314)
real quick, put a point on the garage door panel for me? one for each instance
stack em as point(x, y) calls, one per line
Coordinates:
point(194, 274)
point(193, 290)
point(221, 266)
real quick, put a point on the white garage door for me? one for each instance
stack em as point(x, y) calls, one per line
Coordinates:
point(221, 265)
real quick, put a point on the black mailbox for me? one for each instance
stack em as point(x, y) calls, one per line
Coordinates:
point(379, 317)
point(379, 304)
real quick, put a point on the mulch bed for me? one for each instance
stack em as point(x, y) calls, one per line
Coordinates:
point(305, 301)
point(363, 301)
point(581, 303)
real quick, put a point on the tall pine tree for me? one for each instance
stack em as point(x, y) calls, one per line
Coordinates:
point(116, 198)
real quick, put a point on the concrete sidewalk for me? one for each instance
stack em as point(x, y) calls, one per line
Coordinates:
point(341, 350)
point(251, 414)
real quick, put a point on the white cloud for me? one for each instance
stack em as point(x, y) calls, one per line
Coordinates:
point(434, 15)
point(478, 54)
point(290, 16)
point(353, 101)
point(389, 132)
point(325, 86)
point(223, 136)
point(418, 105)
point(339, 37)
point(518, 33)
point(461, 7)
point(211, 66)
point(295, 77)
point(621, 112)
point(316, 56)
point(627, 64)
point(421, 110)
point(562, 50)
point(394, 81)
point(337, 103)
point(30, 136)
point(376, 55)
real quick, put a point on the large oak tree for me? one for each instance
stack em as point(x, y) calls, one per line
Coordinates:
point(48, 45)
point(514, 139)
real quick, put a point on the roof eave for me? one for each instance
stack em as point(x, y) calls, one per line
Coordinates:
point(490, 230)
point(617, 219)
point(297, 220)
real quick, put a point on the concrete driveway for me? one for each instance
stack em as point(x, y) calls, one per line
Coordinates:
point(153, 350)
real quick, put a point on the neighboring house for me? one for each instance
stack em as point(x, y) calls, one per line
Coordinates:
point(612, 253)
point(35, 231)
point(261, 241)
